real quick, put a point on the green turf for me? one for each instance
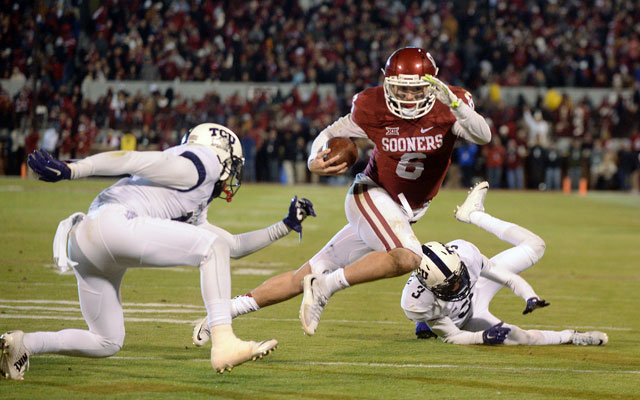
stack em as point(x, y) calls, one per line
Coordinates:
point(365, 347)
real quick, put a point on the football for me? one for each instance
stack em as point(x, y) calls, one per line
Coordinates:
point(343, 147)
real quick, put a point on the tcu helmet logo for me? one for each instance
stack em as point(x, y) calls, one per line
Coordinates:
point(216, 132)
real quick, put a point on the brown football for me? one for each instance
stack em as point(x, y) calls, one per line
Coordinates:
point(343, 147)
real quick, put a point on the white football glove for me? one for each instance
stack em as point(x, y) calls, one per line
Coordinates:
point(441, 91)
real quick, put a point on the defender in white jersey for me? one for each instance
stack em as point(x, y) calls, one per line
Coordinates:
point(454, 284)
point(157, 217)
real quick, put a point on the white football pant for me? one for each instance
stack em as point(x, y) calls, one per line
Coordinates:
point(107, 242)
point(376, 223)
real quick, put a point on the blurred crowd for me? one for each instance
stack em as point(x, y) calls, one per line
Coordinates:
point(56, 47)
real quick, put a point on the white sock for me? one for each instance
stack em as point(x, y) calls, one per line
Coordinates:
point(70, 342)
point(491, 224)
point(553, 337)
point(244, 304)
point(215, 284)
point(334, 281)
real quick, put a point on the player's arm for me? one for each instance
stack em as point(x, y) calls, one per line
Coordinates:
point(243, 244)
point(343, 127)
point(446, 330)
point(159, 167)
point(469, 124)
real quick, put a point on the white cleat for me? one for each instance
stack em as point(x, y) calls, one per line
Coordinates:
point(591, 338)
point(235, 351)
point(201, 332)
point(473, 202)
point(313, 302)
point(14, 357)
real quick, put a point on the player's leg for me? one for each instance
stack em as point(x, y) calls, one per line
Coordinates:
point(142, 241)
point(528, 247)
point(344, 248)
point(99, 295)
point(381, 226)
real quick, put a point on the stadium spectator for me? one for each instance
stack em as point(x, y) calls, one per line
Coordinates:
point(575, 161)
point(552, 168)
point(513, 164)
point(495, 154)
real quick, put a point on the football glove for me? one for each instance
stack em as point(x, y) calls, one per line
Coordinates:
point(299, 209)
point(496, 334)
point(441, 91)
point(533, 303)
point(47, 167)
point(423, 331)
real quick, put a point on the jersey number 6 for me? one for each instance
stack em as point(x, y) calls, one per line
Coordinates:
point(410, 166)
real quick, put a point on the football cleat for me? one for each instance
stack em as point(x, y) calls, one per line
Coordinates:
point(235, 352)
point(14, 357)
point(201, 332)
point(313, 302)
point(473, 202)
point(591, 338)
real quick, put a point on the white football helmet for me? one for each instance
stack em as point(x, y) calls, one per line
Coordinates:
point(443, 273)
point(227, 147)
point(405, 93)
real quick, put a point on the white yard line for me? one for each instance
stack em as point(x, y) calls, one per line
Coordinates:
point(201, 309)
point(397, 366)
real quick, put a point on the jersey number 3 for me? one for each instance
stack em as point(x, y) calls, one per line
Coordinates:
point(410, 165)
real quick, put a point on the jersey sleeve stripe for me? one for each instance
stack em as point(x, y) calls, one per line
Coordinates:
point(202, 173)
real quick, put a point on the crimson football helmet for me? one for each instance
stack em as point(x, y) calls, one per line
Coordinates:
point(405, 92)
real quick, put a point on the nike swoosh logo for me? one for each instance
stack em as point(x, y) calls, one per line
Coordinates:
point(422, 130)
point(53, 170)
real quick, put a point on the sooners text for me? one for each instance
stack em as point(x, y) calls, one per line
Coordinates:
point(420, 143)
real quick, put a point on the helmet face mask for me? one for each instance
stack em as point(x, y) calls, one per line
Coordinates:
point(405, 92)
point(443, 273)
point(227, 147)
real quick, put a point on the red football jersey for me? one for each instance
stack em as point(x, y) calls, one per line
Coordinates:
point(411, 156)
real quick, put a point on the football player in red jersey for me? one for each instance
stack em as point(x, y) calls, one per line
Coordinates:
point(414, 120)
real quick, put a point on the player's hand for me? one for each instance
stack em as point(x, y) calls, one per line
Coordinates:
point(47, 167)
point(424, 332)
point(320, 166)
point(496, 334)
point(299, 209)
point(441, 91)
point(533, 303)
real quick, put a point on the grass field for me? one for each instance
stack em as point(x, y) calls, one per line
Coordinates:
point(365, 347)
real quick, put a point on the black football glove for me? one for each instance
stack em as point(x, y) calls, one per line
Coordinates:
point(496, 334)
point(299, 209)
point(423, 331)
point(47, 167)
point(533, 303)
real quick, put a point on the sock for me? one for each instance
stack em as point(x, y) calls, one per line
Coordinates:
point(244, 304)
point(334, 281)
point(215, 284)
point(552, 337)
point(491, 224)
